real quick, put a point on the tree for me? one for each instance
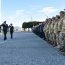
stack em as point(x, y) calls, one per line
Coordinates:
point(29, 24)
point(24, 26)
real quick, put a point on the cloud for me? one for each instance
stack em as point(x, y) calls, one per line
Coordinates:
point(17, 18)
point(19, 12)
point(48, 10)
point(21, 15)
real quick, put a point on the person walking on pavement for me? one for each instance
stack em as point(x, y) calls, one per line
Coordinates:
point(0, 29)
point(5, 29)
point(11, 30)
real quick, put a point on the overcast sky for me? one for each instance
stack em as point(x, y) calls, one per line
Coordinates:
point(19, 11)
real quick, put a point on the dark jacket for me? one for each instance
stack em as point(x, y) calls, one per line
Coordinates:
point(11, 29)
point(5, 27)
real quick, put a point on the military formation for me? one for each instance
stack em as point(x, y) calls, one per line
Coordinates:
point(53, 31)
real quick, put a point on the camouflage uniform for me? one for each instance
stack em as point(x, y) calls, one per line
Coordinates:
point(50, 21)
point(45, 30)
point(52, 30)
point(62, 44)
point(54, 35)
point(48, 31)
point(60, 29)
point(56, 30)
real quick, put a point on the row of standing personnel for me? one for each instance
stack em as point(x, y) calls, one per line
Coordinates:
point(38, 30)
point(6, 28)
point(54, 31)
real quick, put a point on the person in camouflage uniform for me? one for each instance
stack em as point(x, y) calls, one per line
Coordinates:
point(52, 31)
point(46, 29)
point(62, 33)
point(50, 21)
point(55, 25)
point(60, 25)
point(53, 34)
point(56, 29)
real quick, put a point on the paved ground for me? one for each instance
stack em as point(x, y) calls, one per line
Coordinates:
point(28, 49)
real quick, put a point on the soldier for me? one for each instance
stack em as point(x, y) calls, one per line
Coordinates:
point(56, 29)
point(62, 34)
point(5, 29)
point(44, 37)
point(52, 31)
point(46, 29)
point(60, 30)
point(11, 30)
point(53, 34)
point(0, 28)
point(50, 21)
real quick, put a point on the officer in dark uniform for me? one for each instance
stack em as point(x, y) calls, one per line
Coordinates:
point(5, 29)
point(0, 29)
point(11, 30)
